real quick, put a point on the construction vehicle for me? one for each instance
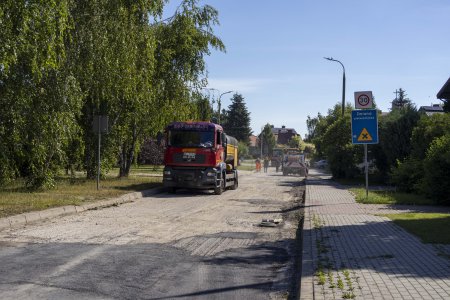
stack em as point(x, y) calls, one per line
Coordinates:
point(199, 155)
point(277, 158)
point(294, 162)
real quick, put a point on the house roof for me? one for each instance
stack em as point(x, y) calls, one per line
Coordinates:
point(276, 130)
point(444, 93)
point(434, 108)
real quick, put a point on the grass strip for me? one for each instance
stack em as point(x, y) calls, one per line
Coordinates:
point(429, 227)
point(389, 197)
point(16, 199)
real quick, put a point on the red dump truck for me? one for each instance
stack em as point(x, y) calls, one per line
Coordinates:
point(199, 155)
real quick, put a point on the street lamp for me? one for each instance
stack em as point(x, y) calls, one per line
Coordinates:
point(261, 138)
point(343, 82)
point(221, 103)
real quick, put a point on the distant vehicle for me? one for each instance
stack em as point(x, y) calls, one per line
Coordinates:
point(371, 164)
point(277, 158)
point(294, 162)
point(321, 164)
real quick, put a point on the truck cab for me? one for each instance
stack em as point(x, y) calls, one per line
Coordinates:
point(199, 155)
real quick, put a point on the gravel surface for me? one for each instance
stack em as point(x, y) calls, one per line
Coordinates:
point(191, 245)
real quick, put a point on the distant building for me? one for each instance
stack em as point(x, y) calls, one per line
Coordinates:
point(283, 135)
point(254, 147)
point(400, 100)
point(431, 110)
point(253, 141)
point(444, 95)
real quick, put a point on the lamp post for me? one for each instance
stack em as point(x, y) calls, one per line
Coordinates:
point(219, 102)
point(261, 144)
point(343, 82)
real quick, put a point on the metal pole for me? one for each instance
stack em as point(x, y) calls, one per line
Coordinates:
point(98, 156)
point(220, 103)
point(261, 144)
point(367, 171)
point(343, 92)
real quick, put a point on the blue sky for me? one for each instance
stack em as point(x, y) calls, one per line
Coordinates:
point(275, 53)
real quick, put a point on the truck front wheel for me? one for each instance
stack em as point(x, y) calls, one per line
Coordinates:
point(218, 190)
point(236, 182)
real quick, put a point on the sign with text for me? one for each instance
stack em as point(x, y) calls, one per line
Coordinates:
point(363, 100)
point(364, 126)
point(100, 124)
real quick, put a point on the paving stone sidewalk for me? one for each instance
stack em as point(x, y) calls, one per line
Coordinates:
point(350, 253)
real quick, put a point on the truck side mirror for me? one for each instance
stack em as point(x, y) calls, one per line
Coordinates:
point(224, 140)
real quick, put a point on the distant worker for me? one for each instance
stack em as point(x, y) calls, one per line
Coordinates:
point(266, 164)
point(258, 165)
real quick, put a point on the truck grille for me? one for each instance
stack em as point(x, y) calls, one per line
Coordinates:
point(187, 158)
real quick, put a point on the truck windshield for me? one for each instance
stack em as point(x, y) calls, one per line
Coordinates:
point(196, 139)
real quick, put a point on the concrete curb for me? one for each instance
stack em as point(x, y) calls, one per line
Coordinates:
point(36, 216)
point(306, 290)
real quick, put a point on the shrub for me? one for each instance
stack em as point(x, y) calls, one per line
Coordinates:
point(436, 180)
point(407, 174)
point(243, 150)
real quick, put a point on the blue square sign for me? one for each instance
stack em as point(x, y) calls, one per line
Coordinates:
point(364, 126)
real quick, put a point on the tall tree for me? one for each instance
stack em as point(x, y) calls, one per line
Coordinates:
point(400, 100)
point(321, 126)
point(395, 132)
point(237, 121)
point(268, 139)
point(332, 139)
point(203, 106)
point(311, 124)
point(296, 142)
point(408, 173)
point(39, 96)
point(111, 52)
point(63, 62)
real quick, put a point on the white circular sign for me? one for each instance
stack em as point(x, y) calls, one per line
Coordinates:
point(363, 100)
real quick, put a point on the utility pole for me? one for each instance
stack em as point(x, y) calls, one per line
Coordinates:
point(261, 138)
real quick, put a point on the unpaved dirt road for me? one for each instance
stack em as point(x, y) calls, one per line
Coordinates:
point(191, 245)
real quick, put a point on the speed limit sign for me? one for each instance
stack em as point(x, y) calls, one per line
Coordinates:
point(363, 99)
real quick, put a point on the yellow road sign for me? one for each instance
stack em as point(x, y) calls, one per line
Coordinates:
point(364, 136)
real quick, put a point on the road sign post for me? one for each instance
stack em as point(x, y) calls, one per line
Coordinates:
point(99, 126)
point(365, 131)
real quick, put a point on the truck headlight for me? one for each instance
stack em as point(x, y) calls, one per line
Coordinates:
point(211, 173)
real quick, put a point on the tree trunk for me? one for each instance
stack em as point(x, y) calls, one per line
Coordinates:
point(127, 155)
point(91, 165)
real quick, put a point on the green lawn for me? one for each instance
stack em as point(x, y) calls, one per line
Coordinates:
point(374, 179)
point(146, 169)
point(389, 197)
point(16, 199)
point(246, 168)
point(429, 227)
